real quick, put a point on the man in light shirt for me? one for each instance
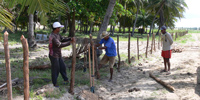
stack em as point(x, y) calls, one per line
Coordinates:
point(166, 49)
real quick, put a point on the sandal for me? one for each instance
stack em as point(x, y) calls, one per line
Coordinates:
point(168, 73)
point(65, 82)
point(163, 71)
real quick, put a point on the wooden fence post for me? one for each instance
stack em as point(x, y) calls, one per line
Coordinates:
point(25, 67)
point(147, 45)
point(72, 80)
point(118, 54)
point(175, 36)
point(159, 41)
point(8, 69)
point(129, 38)
point(138, 47)
point(154, 42)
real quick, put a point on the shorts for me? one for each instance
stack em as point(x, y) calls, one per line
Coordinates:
point(166, 54)
point(107, 59)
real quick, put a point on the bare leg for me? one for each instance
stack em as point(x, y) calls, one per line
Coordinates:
point(168, 62)
point(111, 73)
point(165, 61)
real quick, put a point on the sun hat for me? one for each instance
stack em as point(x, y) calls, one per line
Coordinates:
point(163, 28)
point(104, 34)
point(57, 24)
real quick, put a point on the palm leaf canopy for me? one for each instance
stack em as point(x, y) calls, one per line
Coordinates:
point(40, 6)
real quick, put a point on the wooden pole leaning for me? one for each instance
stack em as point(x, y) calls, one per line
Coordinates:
point(25, 67)
point(129, 38)
point(89, 57)
point(93, 64)
point(72, 80)
point(147, 45)
point(8, 69)
point(95, 57)
point(118, 68)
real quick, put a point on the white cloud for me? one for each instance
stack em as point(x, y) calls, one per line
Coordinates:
point(192, 15)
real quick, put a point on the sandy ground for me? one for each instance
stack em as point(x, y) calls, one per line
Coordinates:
point(183, 76)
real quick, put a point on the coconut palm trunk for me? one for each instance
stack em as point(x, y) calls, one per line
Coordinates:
point(106, 19)
point(161, 6)
point(31, 38)
point(135, 22)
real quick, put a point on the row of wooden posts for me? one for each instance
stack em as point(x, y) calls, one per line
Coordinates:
point(153, 46)
point(72, 80)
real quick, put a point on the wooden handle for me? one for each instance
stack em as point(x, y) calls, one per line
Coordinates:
point(89, 66)
point(93, 64)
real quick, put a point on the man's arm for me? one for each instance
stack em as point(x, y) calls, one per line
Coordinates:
point(97, 46)
point(169, 37)
point(59, 44)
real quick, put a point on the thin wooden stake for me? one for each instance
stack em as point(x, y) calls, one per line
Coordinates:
point(118, 54)
point(159, 41)
point(25, 67)
point(72, 80)
point(154, 42)
point(129, 38)
point(138, 47)
point(8, 69)
point(175, 36)
point(147, 45)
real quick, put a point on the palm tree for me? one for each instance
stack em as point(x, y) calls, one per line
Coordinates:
point(106, 18)
point(167, 9)
point(42, 7)
point(138, 4)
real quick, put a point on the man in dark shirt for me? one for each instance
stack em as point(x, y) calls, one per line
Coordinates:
point(56, 42)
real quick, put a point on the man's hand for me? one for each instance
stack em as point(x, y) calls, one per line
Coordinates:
point(73, 40)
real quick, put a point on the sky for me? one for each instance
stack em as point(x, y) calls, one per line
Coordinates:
point(191, 15)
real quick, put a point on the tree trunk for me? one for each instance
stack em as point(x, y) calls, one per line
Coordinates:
point(110, 28)
point(163, 2)
point(66, 26)
point(106, 19)
point(91, 26)
point(129, 29)
point(135, 22)
point(120, 29)
point(31, 38)
point(113, 30)
point(72, 25)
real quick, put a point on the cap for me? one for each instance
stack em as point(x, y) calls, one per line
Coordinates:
point(57, 24)
point(163, 28)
